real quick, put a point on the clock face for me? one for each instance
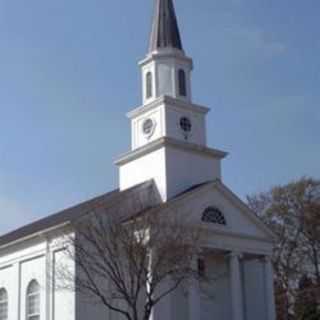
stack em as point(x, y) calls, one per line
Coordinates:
point(185, 125)
point(148, 127)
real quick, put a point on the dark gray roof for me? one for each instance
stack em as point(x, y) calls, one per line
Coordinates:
point(165, 31)
point(73, 213)
point(140, 198)
point(192, 188)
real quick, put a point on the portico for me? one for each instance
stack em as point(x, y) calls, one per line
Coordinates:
point(233, 274)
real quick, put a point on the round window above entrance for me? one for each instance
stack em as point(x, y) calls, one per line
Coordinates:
point(214, 216)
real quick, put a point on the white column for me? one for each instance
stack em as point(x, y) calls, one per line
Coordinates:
point(16, 287)
point(164, 309)
point(194, 296)
point(150, 279)
point(269, 285)
point(49, 281)
point(236, 287)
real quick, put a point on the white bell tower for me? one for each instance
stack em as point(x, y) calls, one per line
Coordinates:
point(168, 131)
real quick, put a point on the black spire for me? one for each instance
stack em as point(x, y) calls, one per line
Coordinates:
point(165, 31)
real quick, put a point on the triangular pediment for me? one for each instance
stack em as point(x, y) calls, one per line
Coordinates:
point(239, 219)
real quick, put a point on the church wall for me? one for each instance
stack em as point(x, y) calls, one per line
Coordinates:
point(33, 269)
point(165, 308)
point(174, 306)
point(18, 267)
point(87, 310)
point(63, 300)
point(150, 166)
point(22, 251)
point(180, 310)
point(8, 280)
point(35, 259)
point(138, 138)
point(166, 120)
point(88, 306)
point(186, 169)
point(164, 69)
point(166, 79)
point(173, 130)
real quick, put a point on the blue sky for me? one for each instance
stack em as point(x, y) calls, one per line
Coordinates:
point(69, 74)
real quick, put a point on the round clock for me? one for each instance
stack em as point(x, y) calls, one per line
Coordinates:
point(185, 124)
point(148, 127)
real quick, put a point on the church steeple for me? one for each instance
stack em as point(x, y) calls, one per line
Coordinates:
point(165, 31)
point(168, 130)
point(166, 70)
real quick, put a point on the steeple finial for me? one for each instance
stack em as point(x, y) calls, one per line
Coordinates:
point(165, 31)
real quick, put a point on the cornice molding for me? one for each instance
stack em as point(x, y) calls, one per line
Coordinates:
point(165, 54)
point(170, 142)
point(168, 102)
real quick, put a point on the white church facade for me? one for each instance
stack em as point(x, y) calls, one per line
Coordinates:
point(170, 158)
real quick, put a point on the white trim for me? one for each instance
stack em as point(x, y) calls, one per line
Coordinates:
point(217, 184)
point(169, 142)
point(244, 249)
point(269, 287)
point(236, 287)
point(245, 209)
point(194, 297)
point(23, 258)
point(224, 231)
point(170, 102)
point(165, 54)
point(35, 235)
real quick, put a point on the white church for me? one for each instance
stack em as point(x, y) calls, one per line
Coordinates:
point(169, 155)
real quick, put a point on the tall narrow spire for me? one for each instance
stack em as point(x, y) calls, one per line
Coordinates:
point(165, 31)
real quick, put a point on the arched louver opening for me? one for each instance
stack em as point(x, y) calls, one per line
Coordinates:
point(182, 83)
point(149, 87)
point(3, 304)
point(215, 216)
point(33, 301)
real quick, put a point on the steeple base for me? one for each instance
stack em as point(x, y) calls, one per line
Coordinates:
point(173, 165)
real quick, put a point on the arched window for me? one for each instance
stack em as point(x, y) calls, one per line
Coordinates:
point(182, 83)
point(3, 304)
point(33, 301)
point(214, 215)
point(149, 91)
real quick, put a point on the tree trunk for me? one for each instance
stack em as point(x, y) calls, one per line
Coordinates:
point(316, 264)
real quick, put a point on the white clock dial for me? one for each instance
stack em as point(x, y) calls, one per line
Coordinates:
point(148, 127)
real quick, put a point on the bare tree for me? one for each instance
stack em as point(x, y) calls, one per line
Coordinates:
point(130, 263)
